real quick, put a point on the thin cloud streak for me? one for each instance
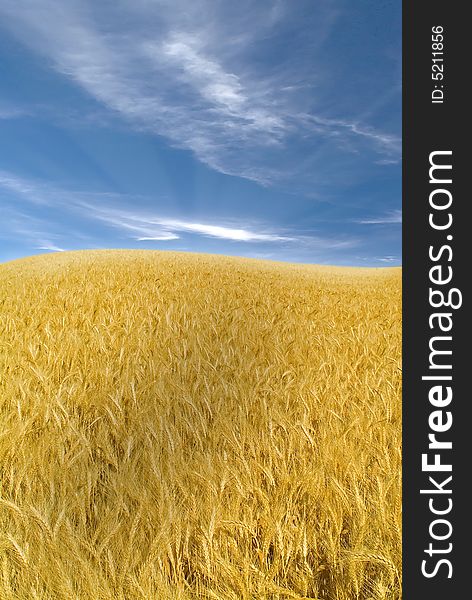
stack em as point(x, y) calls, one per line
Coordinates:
point(388, 259)
point(50, 247)
point(223, 232)
point(393, 217)
point(146, 227)
point(390, 143)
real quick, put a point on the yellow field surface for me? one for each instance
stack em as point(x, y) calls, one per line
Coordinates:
point(178, 426)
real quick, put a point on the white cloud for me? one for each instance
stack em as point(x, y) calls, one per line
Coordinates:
point(138, 225)
point(150, 227)
point(50, 247)
point(181, 71)
point(223, 90)
point(162, 237)
point(382, 259)
point(390, 143)
point(392, 217)
point(219, 231)
point(205, 75)
point(84, 208)
point(388, 259)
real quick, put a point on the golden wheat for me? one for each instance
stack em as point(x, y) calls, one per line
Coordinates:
point(179, 426)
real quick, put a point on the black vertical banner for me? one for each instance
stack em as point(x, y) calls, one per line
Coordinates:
point(436, 323)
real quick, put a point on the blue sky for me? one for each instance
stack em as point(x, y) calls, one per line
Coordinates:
point(262, 128)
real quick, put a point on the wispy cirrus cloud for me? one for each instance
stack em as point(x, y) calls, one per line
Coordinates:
point(21, 226)
point(21, 186)
point(391, 217)
point(387, 142)
point(183, 72)
point(150, 227)
point(86, 209)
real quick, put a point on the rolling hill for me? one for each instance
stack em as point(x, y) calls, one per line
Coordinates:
point(182, 426)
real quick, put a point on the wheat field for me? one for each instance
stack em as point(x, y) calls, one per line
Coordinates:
point(179, 426)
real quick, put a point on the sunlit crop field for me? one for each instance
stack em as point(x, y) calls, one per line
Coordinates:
point(178, 426)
